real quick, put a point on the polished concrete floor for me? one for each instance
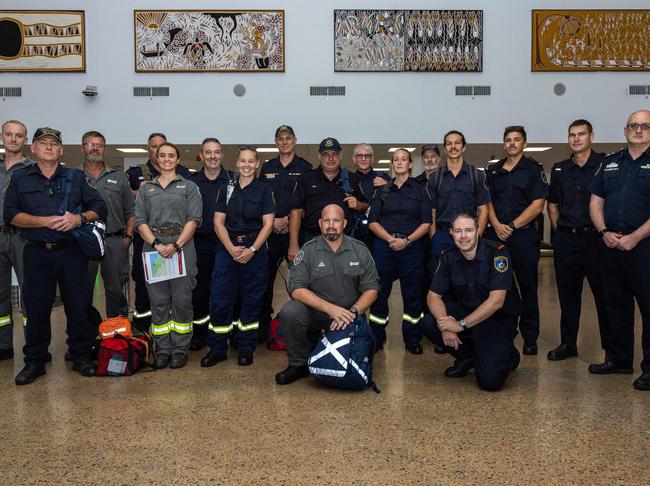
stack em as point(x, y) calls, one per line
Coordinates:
point(553, 423)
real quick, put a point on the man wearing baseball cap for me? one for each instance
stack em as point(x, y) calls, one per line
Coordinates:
point(430, 160)
point(34, 204)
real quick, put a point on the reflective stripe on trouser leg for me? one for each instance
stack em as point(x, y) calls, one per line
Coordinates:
point(5, 320)
point(222, 298)
point(411, 319)
point(140, 315)
point(375, 319)
point(161, 329)
point(181, 327)
point(253, 278)
point(248, 327)
point(220, 329)
point(202, 322)
point(6, 333)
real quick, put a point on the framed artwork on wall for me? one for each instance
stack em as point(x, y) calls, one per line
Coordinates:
point(42, 40)
point(408, 40)
point(209, 40)
point(590, 40)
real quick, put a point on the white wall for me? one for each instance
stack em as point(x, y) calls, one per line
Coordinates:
point(379, 107)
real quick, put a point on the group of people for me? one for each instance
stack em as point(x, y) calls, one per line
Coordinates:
point(463, 242)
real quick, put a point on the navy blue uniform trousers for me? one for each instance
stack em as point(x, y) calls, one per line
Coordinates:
point(489, 345)
point(626, 278)
point(142, 315)
point(524, 246)
point(576, 257)
point(206, 249)
point(43, 270)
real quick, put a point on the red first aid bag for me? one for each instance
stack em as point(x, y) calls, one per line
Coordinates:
point(119, 356)
point(276, 339)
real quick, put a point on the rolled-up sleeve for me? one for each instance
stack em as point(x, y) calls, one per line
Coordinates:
point(299, 273)
point(369, 277)
point(141, 209)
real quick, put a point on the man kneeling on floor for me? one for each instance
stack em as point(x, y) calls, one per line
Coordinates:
point(332, 281)
point(475, 307)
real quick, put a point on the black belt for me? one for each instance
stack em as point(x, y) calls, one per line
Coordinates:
point(52, 246)
point(8, 229)
point(167, 231)
point(580, 230)
point(243, 238)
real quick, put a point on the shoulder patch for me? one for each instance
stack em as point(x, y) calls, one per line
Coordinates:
point(544, 178)
point(298, 258)
point(501, 263)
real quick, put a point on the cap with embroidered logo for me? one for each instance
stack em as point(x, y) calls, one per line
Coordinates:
point(431, 146)
point(284, 128)
point(329, 145)
point(47, 132)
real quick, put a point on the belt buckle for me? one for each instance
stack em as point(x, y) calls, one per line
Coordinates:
point(240, 239)
point(50, 246)
point(575, 231)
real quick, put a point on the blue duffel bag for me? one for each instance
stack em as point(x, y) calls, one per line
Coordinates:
point(343, 359)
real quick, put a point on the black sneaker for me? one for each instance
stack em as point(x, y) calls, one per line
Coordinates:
point(291, 374)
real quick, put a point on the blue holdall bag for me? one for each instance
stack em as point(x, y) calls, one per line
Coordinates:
point(343, 359)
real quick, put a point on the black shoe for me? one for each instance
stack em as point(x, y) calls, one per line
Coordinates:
point(29, 373)
point(439, 350)
point(291, 374)
point(563, 351)
point(607, 367)
point(212, 358)
point(6, 354)
point(161, 361)
point(196, 345)
point(460, 368)
point(85, 367)
point(48, 358)
point(245, 359)
point(642, 382)
point(530, 348)
point(178, 360)
point(413, 348)
point(516, 358)
point(379, 345)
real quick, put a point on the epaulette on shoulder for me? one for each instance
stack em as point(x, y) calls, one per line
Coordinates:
point(498, 245)
point(615, 153)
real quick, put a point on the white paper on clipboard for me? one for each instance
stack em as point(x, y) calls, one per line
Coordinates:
point(159, 269)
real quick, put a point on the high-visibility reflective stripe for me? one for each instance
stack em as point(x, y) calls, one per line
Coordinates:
point(181, 327)
point(235, 323)
point(412, 320)
point(220, 329)
point(200, 322)
point(161, 329)
point(116, 331)
point(377, 319)
point(5, 321)
point(248, 327)
point(24, 321)
point(137, 315)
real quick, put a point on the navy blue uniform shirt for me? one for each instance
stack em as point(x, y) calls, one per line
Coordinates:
point(624, 184)
point(246, 207)
point(514, 191)
point(136, 176)
point(314, 191)
point(469, 282)
point(456, 194)
point(283, 180)
point(422, 178)
point(31, 192)
point(569, 190)
point(365, 180)
point(209, 190)
point(400, 210)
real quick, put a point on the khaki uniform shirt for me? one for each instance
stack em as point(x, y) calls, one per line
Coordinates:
point(116, 192)
point(173, 205)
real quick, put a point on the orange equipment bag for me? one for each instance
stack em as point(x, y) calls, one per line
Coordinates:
point(115, 325)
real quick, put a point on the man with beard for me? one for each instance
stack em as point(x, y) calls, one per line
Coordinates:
point(14, 138)
point(114, 188)
point(474, 307)
point(332, 281)
point(430, 160)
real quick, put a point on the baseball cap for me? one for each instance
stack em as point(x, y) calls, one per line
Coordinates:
point(47, 132)
point(329, 145)
point(284, 128)
point(431, 146)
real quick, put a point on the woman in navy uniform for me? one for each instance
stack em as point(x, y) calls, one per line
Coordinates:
point(243, 221)
point(167, 212)
point(400, 214)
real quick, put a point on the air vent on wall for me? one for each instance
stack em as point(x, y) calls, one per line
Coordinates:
point(11, 92)
point(639, 89)
point(327, 91)
point(473, 90)
point(150, 91)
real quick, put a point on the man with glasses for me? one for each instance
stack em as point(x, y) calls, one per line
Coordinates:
point(33, 203)
point(138, 175)
point(575, 242)
point(430, 159)
point(14, 138)
point(113, 185)
point(315, 189)
point(281, 173)
point(518, 189)
point(620, 211)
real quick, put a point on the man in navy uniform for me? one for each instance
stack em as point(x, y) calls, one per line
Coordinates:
point(430, 160)
point(209, 179)
point(474, 307)
point(138, 175)
point(518, 188)
point(33, 204)
point(620, 211)
point(282, 173)
point(315, 189)
point(575, 242)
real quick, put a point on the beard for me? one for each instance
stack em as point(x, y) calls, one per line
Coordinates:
point(332, 236)
point(94, 159)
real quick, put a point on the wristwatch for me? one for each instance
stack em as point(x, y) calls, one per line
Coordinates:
point(463, 324)
point(83, 219)
point(602, 232)
point(155, 242)
point(512, 225)
point(408, 241)
point(252, 249)
point(355, 311)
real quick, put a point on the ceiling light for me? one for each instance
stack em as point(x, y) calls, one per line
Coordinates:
point(393, 149)
point(383, 161)
point(267, 149)
point(493, 161)
point(537, 149)
point(382, 169)
point(2, 151)
point(132, 150)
